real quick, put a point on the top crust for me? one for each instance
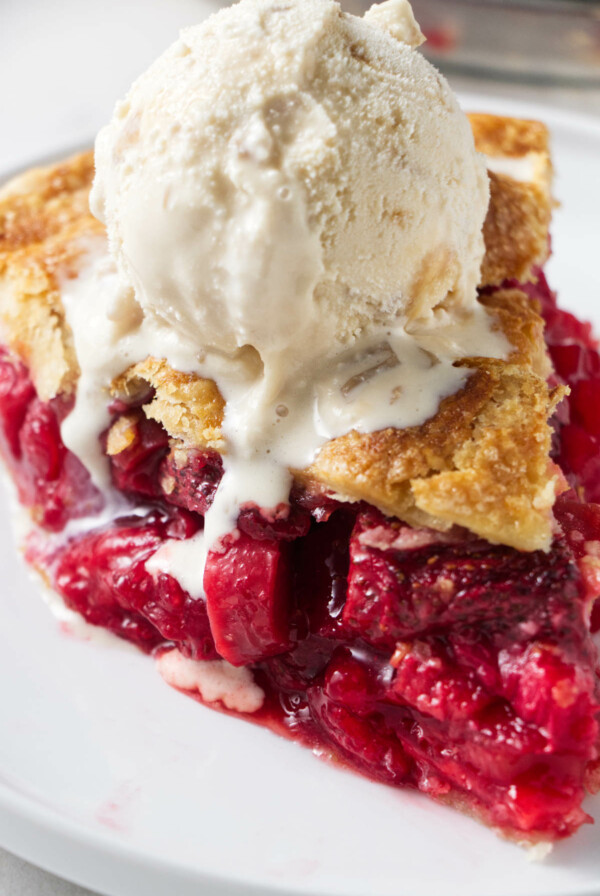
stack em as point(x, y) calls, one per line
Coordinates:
point(44, 218)
point(516, 229)
point(497, 135)
point(481, 462)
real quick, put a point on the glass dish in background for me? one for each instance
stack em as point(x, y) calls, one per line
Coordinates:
point(537, 40)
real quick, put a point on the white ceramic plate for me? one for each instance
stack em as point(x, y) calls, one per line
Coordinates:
point(113, 780)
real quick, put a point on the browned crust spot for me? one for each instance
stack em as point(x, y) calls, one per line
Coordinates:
point(499, 135)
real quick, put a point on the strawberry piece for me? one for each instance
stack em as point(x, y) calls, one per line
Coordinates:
point(50, 479)
point(316, 501)
point(579, 456)
point(581, 525)
point(286, 522)
point(190, 479)
point(247, 587)
point(585, 405)
point(395, 593)
point(427, 679)
point(134, 470)
point(555, 696)
point(16, 394)
point(359, 735)
point(103, 576)
point(572, 361)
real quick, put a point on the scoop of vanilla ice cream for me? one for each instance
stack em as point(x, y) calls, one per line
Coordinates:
point(286, 176)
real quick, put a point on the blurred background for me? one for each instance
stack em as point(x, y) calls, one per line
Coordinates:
point(63, 63)
point(542, 41)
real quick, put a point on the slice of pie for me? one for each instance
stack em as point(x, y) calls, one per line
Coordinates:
point(420, 611)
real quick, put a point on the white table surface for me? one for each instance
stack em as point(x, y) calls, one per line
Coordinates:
point(63, 63)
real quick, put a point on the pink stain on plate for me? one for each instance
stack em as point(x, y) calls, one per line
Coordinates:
point(115, 812)
point(72, 631)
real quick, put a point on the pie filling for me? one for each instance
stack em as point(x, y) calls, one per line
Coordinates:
point(424, 659)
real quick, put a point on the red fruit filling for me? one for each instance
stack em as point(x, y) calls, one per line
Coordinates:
point(574, 354)
point(434, 661)
point(103, 576)
point(50, 480)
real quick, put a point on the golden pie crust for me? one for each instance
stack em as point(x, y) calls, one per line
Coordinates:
point(482, 462)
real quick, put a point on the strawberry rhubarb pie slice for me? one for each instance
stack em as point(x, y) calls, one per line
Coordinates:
point(296, 411)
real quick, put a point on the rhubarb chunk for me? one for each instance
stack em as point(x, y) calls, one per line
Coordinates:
point(247, 596)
